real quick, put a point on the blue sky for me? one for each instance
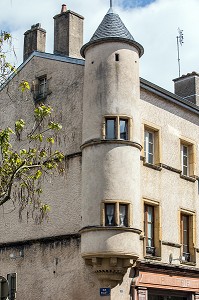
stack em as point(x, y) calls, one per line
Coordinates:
point(136, 3)
point(153, 23)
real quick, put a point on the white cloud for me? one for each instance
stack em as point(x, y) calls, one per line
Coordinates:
point(154, 26)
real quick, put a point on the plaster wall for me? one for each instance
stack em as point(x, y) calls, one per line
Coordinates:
point(110, 87)
point(166, 186)
point(63, 194)
point(51, 270)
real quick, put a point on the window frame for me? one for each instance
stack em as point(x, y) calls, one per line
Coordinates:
point(157, 151)
point(117, 205)
point(155, 250)
point(189, 256)
point(191, 157)
point(117, 127)
point(147, 152)
point(40, 87)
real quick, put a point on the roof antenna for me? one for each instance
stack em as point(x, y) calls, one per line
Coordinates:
point(180, 41)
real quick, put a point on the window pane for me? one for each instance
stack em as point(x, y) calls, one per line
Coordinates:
point(123, 129)
point(150, 158)
point(149, 146)
point(123, 215)
point(185, 170)
point(150, 137)
point(110, 214)
point(110, 129)
point(42, 86)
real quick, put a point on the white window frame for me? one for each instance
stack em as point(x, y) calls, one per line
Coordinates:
point(146, 146)
point(184, 155)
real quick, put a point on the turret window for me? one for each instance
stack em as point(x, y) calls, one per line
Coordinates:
point(123, 129)
point(117, 57)
point(110, 129)
point(116, 128)
point(116, 214)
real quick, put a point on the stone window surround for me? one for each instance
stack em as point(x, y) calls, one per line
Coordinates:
point(192, 233)
point(35, 85)
point(117, 203)
point(157, 227)
point(156, 130)
point(191, 156)
point(117, 129)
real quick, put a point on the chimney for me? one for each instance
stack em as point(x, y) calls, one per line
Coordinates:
point(187, 87)
point(34, 40)
point(68, 33)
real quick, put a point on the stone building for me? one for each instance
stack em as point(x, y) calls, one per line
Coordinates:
point(125, 215)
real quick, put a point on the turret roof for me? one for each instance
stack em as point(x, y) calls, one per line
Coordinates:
point(112, 28)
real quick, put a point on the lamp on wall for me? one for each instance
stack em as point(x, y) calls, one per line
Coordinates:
point(180, 258)
point(14, 256)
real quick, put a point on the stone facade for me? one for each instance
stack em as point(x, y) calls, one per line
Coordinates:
point(76, 253)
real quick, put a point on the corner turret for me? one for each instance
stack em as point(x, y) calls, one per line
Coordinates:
point(111, 206)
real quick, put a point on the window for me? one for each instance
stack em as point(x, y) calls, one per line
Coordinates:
point(152, 228)
point(117, 57)
point(123, 129)
point(149, 146)
point(40, 88)
point(42, 84)
point(116, 214)
point(149, 228)
point(188, 158)
point(117, 128)
point(187, 236)
point(152, 151)
point(110, 129)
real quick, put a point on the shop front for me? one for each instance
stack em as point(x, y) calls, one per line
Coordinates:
point(164, 282)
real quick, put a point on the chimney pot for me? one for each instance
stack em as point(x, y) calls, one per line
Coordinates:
point(64, 8)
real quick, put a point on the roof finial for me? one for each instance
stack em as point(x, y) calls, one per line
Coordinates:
point(111, 3)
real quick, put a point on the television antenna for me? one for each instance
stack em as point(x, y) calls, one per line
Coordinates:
point(180, 41)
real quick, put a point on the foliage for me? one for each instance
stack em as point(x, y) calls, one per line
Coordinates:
point(27, 158)
point(6, 68)
point(22, 171)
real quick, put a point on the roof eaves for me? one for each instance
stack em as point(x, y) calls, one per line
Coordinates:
point(145, 84)
point(44, 55)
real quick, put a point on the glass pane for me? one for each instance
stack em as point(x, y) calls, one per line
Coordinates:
point(149, 229)
point(185, 170)
point(150, 214)
point(149, 243)
point(123, 215)
point(123, 129)
point(110, 214)
point(185, 150)
point(110, 129)
point(150, 137)
point(151, 148)
point(150, 158)
point(185, 160)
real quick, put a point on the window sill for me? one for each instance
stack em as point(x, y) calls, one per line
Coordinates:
point(188, 263)
point(151, 257)
point(188, 178)
point(152, 166)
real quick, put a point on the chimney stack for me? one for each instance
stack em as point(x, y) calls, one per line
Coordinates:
point(68, 33)
point(187, 87)
point(34, 40)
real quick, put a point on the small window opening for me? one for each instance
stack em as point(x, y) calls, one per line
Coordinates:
point(117, 57)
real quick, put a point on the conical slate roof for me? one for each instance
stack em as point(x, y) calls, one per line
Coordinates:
point(112, 28)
